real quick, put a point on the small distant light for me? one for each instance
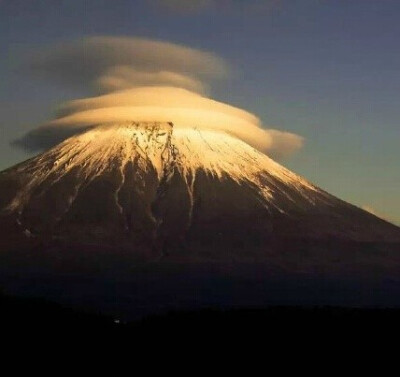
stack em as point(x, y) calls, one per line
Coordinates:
point(117, 321)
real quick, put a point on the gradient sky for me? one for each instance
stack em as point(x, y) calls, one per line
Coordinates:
point(325, 69)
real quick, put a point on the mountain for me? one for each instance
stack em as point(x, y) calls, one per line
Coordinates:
point(159, 191)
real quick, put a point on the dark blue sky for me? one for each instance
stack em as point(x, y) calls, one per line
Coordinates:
point(325, 69)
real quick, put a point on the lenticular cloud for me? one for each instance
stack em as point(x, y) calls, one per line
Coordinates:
point(140, 80)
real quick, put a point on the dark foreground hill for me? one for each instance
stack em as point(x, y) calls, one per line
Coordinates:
point(19, 315)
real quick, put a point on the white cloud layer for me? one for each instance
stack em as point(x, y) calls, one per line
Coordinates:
point(145, 81)
point(112, 63)
point(124, 77)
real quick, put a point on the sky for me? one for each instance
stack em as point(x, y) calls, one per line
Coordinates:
point(326, 70)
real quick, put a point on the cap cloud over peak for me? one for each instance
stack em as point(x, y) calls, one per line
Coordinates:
point(129, 61)
point(137, 79)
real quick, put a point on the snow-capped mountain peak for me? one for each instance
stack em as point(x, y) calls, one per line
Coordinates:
point(151, 184)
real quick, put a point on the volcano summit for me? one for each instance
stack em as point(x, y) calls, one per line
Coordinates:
point(161, 192)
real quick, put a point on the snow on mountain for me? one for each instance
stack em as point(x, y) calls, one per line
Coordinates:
point(150, 185)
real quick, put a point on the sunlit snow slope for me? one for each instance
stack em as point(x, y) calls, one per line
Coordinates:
point(150, 187)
